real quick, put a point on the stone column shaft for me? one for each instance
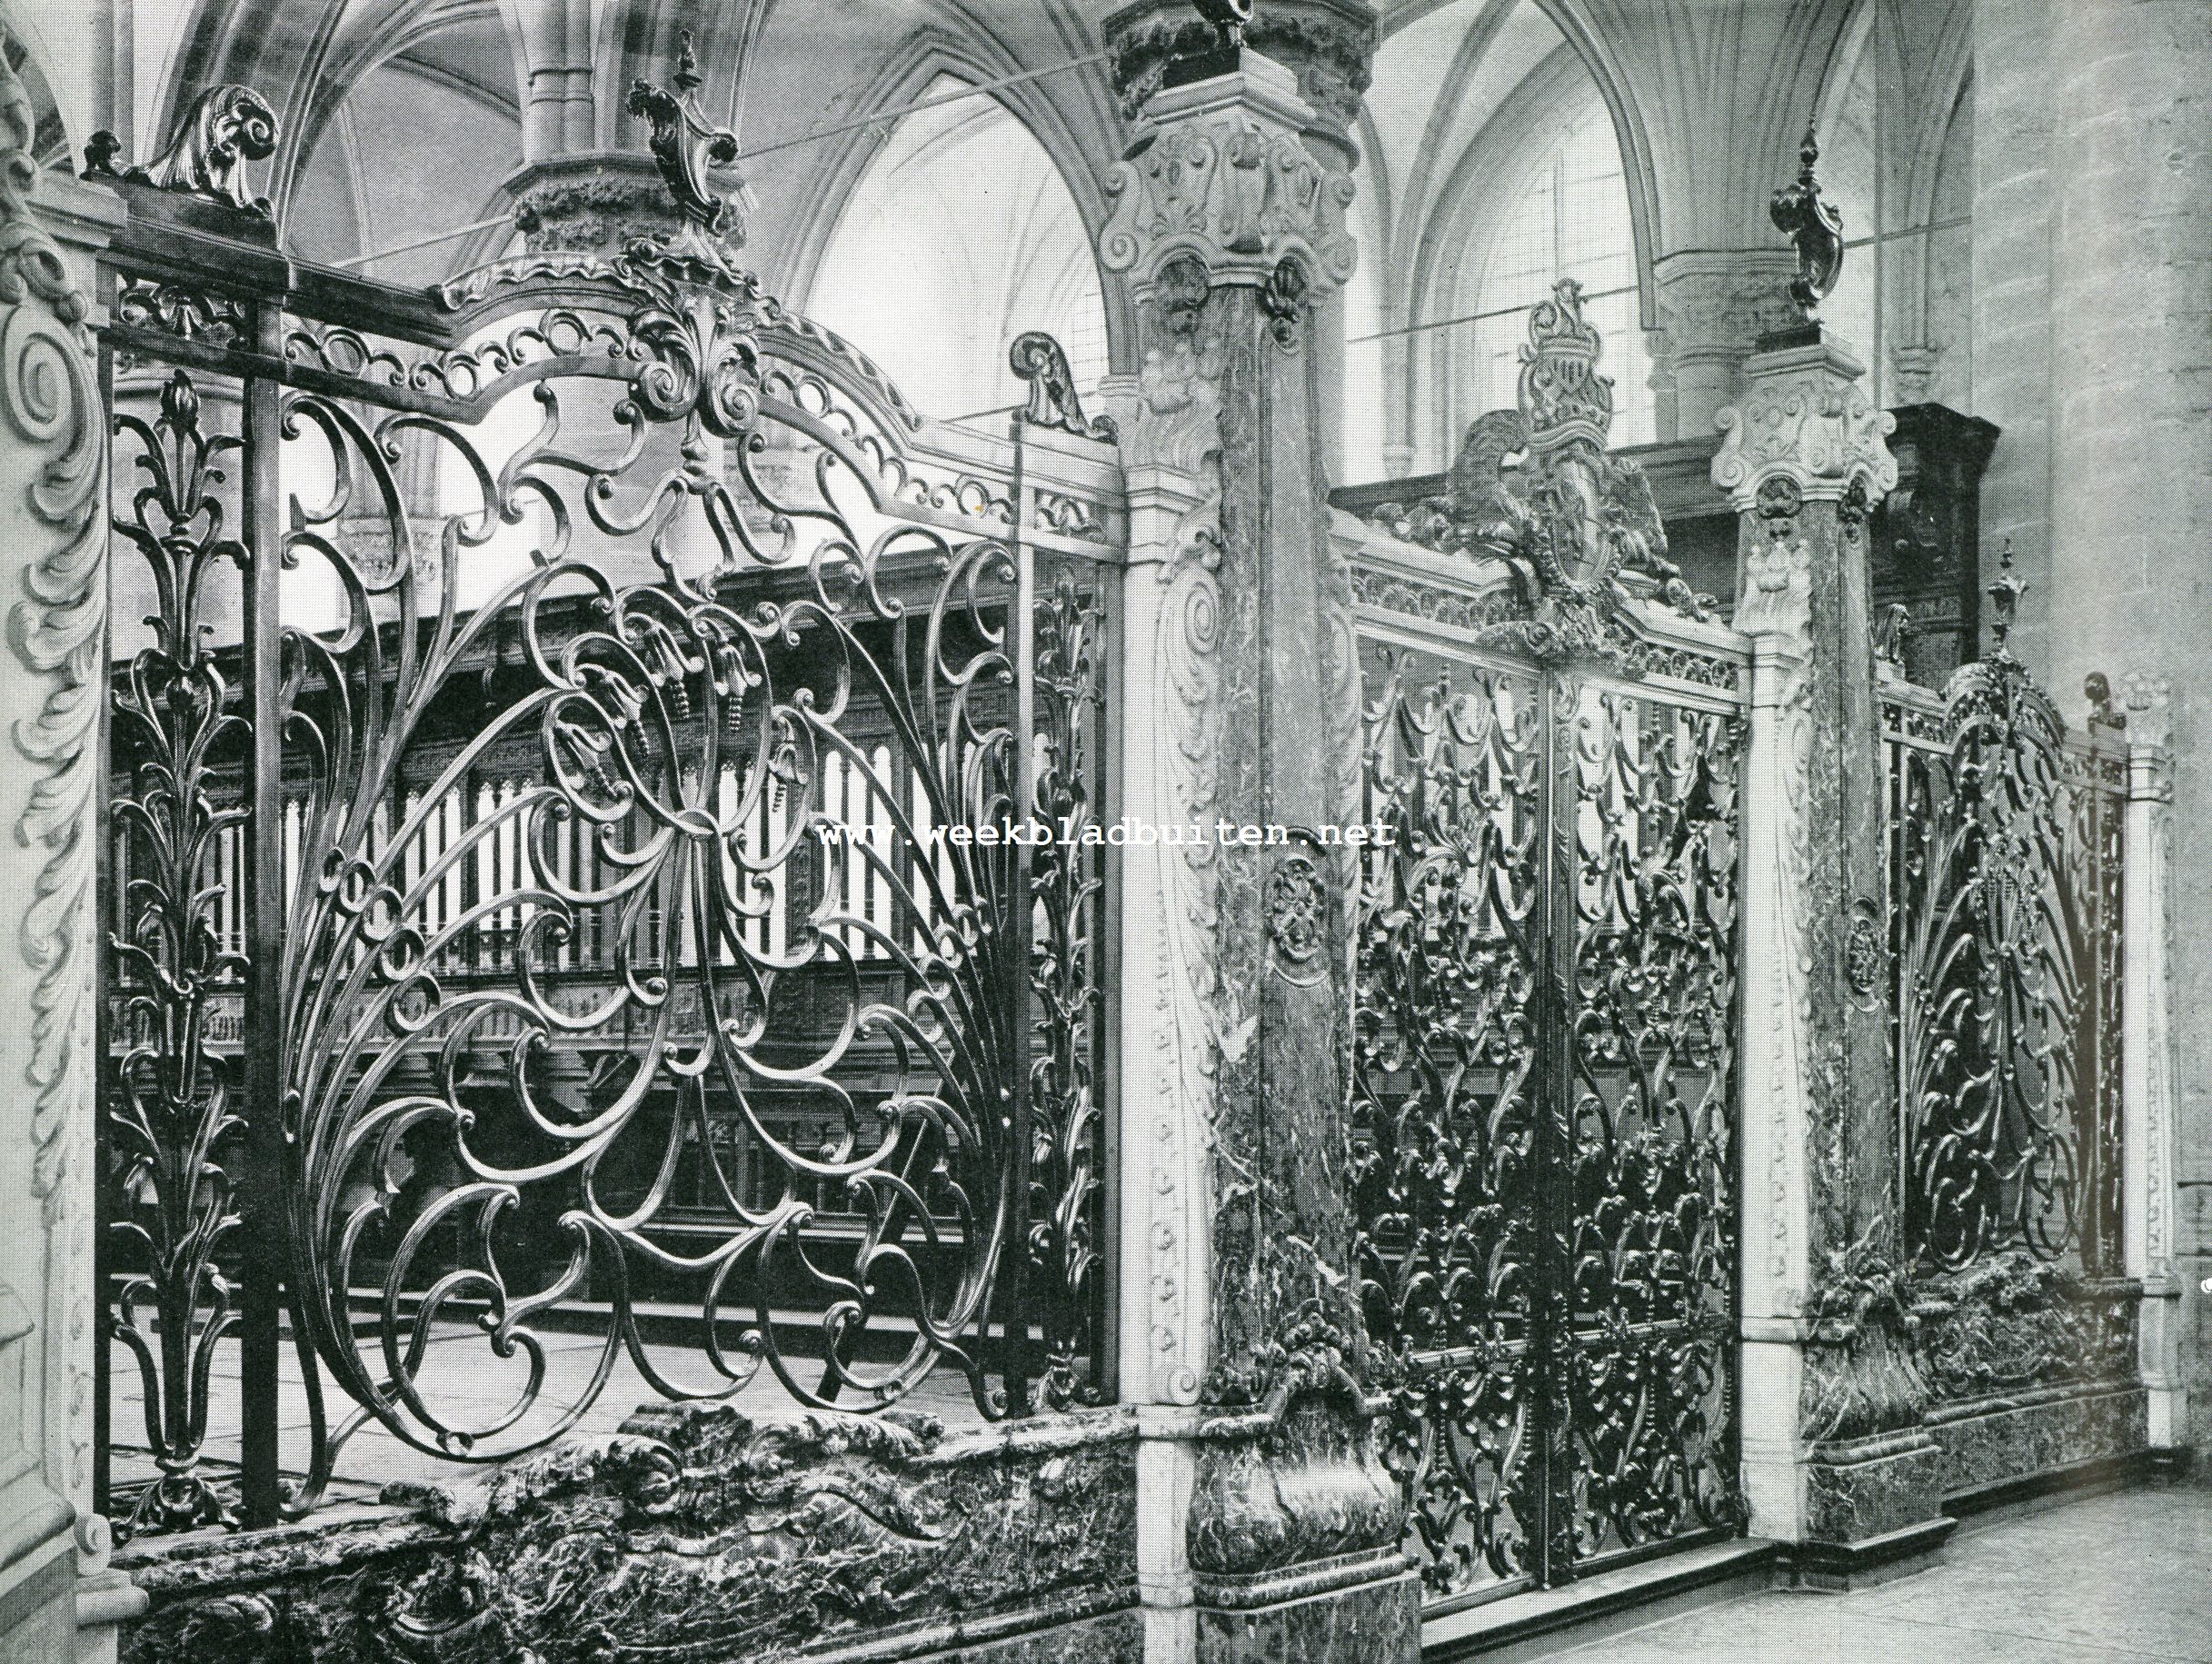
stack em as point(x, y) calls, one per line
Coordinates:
point(1837, 1463)
point(1714, 306)
point(1272, 1527)
point(2147, 1046)
point(59, 1600)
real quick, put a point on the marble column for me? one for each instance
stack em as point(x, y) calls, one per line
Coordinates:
point(2147, 1055)
point(1330, 45)
point(1836, 1462)
point(58, 1599)
point(1269, 1527)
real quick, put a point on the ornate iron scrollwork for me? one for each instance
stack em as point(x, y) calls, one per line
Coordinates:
point(2005, 868)
point(1545, 1053)
point(172, 1108)
point(653, 932)
point(1545, 1090)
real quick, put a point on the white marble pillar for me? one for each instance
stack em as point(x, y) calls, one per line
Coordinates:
point(2146, 1049)
point(1831, 1459)
point(58, 1601)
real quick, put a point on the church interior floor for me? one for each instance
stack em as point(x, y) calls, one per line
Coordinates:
point(2109, 1579)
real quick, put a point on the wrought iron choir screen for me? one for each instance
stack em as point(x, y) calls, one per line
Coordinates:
point(2007, 876)
point(1546, 1091)
point(566, 936)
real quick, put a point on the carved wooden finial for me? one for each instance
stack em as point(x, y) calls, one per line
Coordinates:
point(686, 143)
point(1814, 225)
point(2005, 592)
point(2103, 708)
point(1229, 18)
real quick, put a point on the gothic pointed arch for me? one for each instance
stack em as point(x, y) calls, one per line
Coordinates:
point(931, 59)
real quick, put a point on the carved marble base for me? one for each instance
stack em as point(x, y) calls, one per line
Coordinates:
point(1375, 1619)
point(692, 1536)
point(1115, 1639)
point(2024, 1436)
point(1861, 1489)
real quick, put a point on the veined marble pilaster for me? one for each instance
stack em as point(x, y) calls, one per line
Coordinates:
point(1834, 1451)
point(2147, 1088)
point(1243, 709)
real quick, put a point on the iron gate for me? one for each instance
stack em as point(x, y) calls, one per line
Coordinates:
point(2006, 874)
point(1545, 1092)
point(567, 936)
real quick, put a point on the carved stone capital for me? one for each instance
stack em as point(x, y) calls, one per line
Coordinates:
point(1329, 44)
point(1715, 305)
point(1217, 174)
point(2149, 703)
point(1805, 417)
point(1912, 372)
point(596, 204)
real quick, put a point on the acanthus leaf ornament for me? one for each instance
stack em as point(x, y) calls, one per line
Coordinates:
point(50, 398)
point(225, 128)
point(1804, 419)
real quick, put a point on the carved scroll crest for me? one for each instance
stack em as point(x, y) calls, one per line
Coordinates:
point(1042, 362)
point(226, 127)
point(1536, 489)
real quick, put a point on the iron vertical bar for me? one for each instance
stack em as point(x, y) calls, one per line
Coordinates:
point(1021, 1132)
point(1557, 697)
point(1106, 979)
point(262, 1295)
point(102, 1048)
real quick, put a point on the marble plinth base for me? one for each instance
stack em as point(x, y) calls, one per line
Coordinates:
point(1862, 1488)
point(1360, 1610)
point(1116, 1638)
point(1836, 1567)
point(2021, 1439)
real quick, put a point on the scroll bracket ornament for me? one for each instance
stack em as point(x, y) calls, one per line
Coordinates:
point(226, 127)
point(1042, 362)
point(685, 145)
point(1216, 169)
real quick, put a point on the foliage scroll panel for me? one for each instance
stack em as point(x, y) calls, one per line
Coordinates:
point(2007, 869)
point(663, 1002)
point(1545, 1110)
